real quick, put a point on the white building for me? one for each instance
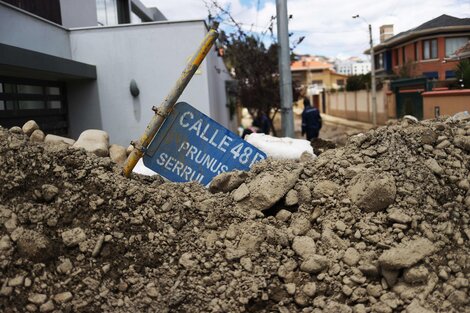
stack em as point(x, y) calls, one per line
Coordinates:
point(59, 67)
point(352, 66)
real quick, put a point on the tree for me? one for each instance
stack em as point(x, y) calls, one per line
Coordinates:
point(407, 70)
point(462, 73)
point(358, 82)
point(253, 63)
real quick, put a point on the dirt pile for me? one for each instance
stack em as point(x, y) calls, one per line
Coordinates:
point(380, 225)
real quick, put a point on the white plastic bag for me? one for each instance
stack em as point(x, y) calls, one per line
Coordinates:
point(280, 148)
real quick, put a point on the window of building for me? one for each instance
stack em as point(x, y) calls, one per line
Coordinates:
point(431, 75)
point(317, 82)
point(43, 101)
point(113, 12)
point(340, 82)
point(50, 9)
point(430, 49)
point(379, 61)
point(450, 74)
point(453, 44)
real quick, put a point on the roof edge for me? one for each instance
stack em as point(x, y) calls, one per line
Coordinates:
point(139, 24)
point(413, 34)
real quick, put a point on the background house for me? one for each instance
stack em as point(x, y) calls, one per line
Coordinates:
point(421, 63)
point(314, 76)
point(352, 66)
point(422, 51)
point(69, 65)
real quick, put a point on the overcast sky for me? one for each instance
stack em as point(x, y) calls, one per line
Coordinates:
point(327, 25)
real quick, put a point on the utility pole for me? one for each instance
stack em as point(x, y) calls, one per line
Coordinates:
point(287, 118)
point(372, 73)
point(372, 76)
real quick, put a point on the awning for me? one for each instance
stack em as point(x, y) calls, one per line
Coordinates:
point(21, 62)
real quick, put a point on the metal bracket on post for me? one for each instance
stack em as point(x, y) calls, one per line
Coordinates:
point(167, 105)
point(137, 146)
point(161, 112)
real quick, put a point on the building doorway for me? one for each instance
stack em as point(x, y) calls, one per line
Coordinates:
point(43, 101)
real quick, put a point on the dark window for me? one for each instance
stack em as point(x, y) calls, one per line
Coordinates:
point(450, 74)
point(403, 55)
point(431, 75)
point(317, 82)
point(340, 82)
point(43, 101)
point(430, 49)
point(113, 12)
point(48, 9)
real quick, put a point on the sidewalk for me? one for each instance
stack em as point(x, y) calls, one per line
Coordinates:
point(333, 120)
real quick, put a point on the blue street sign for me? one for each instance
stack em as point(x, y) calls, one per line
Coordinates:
point(190, 146)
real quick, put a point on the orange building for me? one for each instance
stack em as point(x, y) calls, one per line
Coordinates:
point(425, 51)
point(314, 75)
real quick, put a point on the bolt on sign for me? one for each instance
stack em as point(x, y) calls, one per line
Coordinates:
point(190, 146)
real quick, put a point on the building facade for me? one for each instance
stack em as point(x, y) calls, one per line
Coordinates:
point(70, 64)
point(316, 76)
point(424, 51)
point(352, 66)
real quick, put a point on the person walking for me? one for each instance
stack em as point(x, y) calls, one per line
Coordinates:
point(311, 121)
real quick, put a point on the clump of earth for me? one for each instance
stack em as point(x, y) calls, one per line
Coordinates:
point(379, 225)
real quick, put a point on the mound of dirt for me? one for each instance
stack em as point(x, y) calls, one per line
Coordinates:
point(379, 225)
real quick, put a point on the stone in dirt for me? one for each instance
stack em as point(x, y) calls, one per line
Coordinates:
point(37, 136)
point(418, 274)
point(399, 217)
point(49, 192)
point(241, 193)
point(47, 307)
point(267, 188)
point(415, 307)
point(35, 246)
point(462, 142)
point(351, 257)
point(56, 139)
point(335, 307)
point(63, 297)
point(37, 298)
point(326, 188)
point(434, 166)
point(373, 191)
point(228, 181)
point(16, 130)
point(94, 141)
point(304, 246)
point(29, 127)
point(117, 153)
point(314, 264)
point(73, 236)
point(407, 254)
point(299, 225)
point(292, 198)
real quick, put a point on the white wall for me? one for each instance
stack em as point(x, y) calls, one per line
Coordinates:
point(24, 30)
point(154, 54)
point(218, 75)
